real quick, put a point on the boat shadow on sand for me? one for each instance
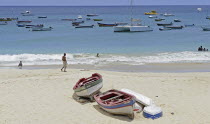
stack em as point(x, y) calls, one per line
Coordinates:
point(82, 100)
point(119, 117)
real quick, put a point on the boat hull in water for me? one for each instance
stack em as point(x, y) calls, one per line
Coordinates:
point(132, 29)
point(206, 28)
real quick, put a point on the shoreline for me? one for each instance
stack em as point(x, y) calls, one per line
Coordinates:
point(152, 68)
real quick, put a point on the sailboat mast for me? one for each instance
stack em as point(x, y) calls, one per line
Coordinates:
point(131, 6)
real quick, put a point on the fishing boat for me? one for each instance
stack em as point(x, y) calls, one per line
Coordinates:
point(164, 29)
point(167, 14)
point(24, 22)
point(41, 29)
point(206, 28)
point(86, 87)
point(97, 19)
point(5, 19)
point(116, 102)
point(152, 16)
point(3, 23)
point(189, 25)
point(27, 13)
point(79, 17)
point(174, 27)
point(76, 23)
point(68, 19)
point(106, 25)
point(92, 15)
point(177, 20)
point(160, 19)
point(132, 27)
point(151, 13)
point(85, 26)
point(42, 16)
point(164, 24)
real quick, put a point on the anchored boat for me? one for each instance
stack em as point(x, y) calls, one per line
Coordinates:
point(86, 87)
point(3, 23)
point(41, 29)
point(206, 28)
point(106, 25)
point(151, 13)
point(164, 24)
point(85, 26)
point(116, 102)
point(97, 19)
point(174, 27)
point(27, 13)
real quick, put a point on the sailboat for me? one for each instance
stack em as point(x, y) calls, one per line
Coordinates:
point(132, 27)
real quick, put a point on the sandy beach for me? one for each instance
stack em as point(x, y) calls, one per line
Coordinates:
point(44, 96)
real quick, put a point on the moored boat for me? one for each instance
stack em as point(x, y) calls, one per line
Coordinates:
point(6, 19)
point(68, 19)
point(76, 23)
point(97, 19)
point(207, 17)
point(189, 25)
point(177, 20)
point(121, 23)
point(27, 13)
point(152, 16)
point(116, 102)
point(131, 28)
point(21, 25)
point(164, 24)
point(167, 14)
point(160, 19)
point(86, 87)
point(151, 13)
point(164, 29)
point(3, 23)
point(79, 17)
point(42, 16)
point(24, 21)
point(106, 25)
point(85, 26)
point(92, 15)
point(41, 29)
point(206, 28)
point(174, 27)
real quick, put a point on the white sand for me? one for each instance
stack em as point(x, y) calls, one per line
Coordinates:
point(45, 97)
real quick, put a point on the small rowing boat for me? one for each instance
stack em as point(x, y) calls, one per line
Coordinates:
point(116, 102)
point(86, 87)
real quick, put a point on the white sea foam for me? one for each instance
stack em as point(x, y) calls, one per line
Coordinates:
point(91, 59)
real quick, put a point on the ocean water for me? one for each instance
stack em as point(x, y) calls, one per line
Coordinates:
point(82, 45)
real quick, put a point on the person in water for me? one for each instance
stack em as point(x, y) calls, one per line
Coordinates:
point(200, 48)
point(20, 65)
point(97, 55)
point(64, 62)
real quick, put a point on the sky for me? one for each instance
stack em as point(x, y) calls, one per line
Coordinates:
point(100, 2)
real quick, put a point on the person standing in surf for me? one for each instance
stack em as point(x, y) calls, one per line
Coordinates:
point(64, 62)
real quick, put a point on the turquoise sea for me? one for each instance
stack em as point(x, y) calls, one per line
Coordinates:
point(81, 45)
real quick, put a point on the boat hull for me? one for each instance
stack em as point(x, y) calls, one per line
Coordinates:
point(89, 89)
point(205, 29)
point(132, 29)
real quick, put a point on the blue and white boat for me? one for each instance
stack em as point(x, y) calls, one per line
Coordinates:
point(116, 102)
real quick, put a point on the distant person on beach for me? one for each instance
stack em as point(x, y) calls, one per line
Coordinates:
point(97, 55)
point(64, 62)
point(20, 65)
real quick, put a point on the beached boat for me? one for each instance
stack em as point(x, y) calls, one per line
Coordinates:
point(42, 16)
point(167, 14)
point(92, 15)
point(160, 19)
point(41, 29)
point(86, 87)
point(174, 27)
point(27, 13)
point(3, 23)
point(164, 24)
point(152, 16)
point(97, 19)
point(68, 19)
point(106, 25)
point(177, 20)
point(206, 28)
point(151, 13)
point(116, 102)
point(85, 26)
